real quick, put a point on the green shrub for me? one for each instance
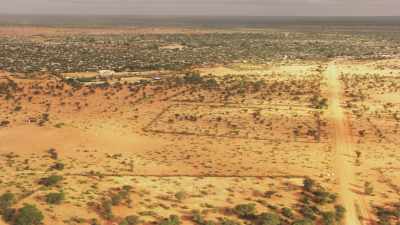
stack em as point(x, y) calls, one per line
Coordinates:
point(245, 210)
point(181, 195)
point(308, 184)
point(308, 212)
point(51, 180)
point(53, 153)
point(130, 220)
point(193, 78)
point(328, 218)
point(4, 123)
point(85, 79)
point(318, 102)
point(106, 207)
point(59, 125)
point(339, 212)
point(210, 83)
point(226, 221)
point(287, 212)
point(268, 219)
point(199, 219)
point(55, 198)
point(94, 221)
point(8, 214)
point(171, 220)
point(368, 189)
point(29, 215)
point(269, 194)
point(323, 197)
point(384, 221)
point(58, 166)
point(6, 201)
point(117, 198)
point(127, 188)
point(303, 222)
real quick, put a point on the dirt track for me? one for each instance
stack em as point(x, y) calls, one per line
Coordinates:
point(342, 145)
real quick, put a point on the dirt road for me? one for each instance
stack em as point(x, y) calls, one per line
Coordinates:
point(342, 146)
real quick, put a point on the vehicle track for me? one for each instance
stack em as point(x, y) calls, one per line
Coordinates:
point(342, 145)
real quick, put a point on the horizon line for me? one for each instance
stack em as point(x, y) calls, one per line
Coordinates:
point(197, 15)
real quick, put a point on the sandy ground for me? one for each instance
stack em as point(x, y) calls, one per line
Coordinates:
point(149, 143)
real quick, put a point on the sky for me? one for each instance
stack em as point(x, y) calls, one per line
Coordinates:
point(205, 7)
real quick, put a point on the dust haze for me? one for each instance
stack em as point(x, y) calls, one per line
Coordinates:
point(206, 7)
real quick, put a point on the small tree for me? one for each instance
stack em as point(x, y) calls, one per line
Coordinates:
point(287, 212)
point(303, 222)
point(29, 215)
point(8, 214)
point(116, 199)
point(58, 166)
point(268, 219)
point(339, 212)
point(130, 220)
point(308, 212)
point(94, 221)
point(199, 219)
point(180, 195)
point(55, 198)
point(51, 180)
point(6, 201)
point(245, 210)
point(368, 189)
point(171, 220)
point(53, 153)
point(308, 184)
point(328, 218)
point(226, 221)
point(106, 208)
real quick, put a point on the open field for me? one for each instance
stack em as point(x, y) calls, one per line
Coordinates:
point(203, 127)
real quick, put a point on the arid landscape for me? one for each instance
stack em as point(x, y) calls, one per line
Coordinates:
point(204, 126)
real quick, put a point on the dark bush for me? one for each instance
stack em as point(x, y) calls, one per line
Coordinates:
point(4, 123)
point(9, 214)
point(55, 198)
point(329, 218)
point(287, 212)
point(130, 220)
point(29, 215)
point(117, 198)
point(308, 184)
point(53, 153)
point(58, 166)
point(199, 219)
point(303, 222)
point(339, 212)
point(193, 78)
point(51, 180)
point(308, 212)
point(6, 201)
point(171, 220)
point(106, 209)
point(245, 210)
point(268, 219)
point(226, 221)
point(323, 197)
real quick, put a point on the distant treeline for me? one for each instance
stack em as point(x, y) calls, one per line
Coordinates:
point(197, 21)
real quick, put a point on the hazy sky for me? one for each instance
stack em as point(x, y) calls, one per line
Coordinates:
point(206, 7)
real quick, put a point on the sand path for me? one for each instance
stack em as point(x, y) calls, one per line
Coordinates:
point(344, 164)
